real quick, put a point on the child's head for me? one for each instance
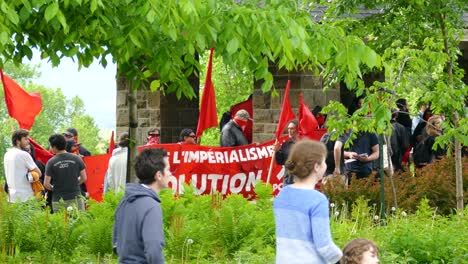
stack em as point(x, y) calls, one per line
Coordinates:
point(360, 251)
point(307, 157)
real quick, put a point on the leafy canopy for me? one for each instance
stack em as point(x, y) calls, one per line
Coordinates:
point(162, 38)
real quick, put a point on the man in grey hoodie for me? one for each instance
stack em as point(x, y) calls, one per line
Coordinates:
point(138, 235)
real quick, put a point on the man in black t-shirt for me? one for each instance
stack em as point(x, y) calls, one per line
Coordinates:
point(64, 174)
point(364, 150)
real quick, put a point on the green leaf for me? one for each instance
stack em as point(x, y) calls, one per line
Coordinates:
point(232, 46)
point(150, 16)
point(93, 6)
point(134, 39)
point(3, 38)
point(12, 16)
point(62, 20)
point(51, 11)
point(155, 85)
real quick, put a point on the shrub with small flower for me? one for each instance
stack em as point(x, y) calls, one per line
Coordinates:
point(216, 229)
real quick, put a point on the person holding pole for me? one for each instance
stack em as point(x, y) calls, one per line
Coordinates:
point(282, 152)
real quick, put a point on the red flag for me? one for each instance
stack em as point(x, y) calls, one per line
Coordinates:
point(247, 105)
point(208, 116)
point(42, 154)
point(287, 113)
point(22, 106)
point(111, 143)
point(96, 168)
point(307, 121)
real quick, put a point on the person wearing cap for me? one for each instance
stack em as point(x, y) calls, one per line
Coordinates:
point(187, 136)
point(71, 132)
point(232, 133)
point(154, 135)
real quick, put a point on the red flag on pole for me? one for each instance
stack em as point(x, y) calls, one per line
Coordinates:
point(208, 116)
point(307, 121)
point(287, 113)
point(22, 106)
point(111, 143)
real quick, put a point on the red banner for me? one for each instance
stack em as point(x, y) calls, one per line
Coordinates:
point(224, 170)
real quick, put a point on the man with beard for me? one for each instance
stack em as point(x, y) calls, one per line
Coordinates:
point(17, 164)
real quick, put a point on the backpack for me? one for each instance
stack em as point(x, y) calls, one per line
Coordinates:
point(422, 153)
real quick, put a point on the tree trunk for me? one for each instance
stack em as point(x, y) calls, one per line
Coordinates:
point(133, 124)
point(458, 161)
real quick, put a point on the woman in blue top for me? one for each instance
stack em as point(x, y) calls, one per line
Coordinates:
point(301, 213)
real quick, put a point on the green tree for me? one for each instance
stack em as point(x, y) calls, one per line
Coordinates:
point(419, 45)
point(162, 39)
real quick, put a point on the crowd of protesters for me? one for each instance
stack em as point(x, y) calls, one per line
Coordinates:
point(301, 212)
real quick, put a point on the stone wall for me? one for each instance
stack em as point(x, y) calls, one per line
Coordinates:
point(267, 107)
point(171, 115)
point(157, 110)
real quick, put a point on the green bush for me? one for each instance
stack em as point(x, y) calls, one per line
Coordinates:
point(436, 182)
point(231, 229)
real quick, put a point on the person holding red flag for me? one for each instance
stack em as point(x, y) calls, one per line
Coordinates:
point(282, 153)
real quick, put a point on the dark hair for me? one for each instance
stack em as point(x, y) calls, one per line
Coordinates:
point(353, 251)
point(303, 157)
point(70, 143)
point(73, 131)
point(18, 135)
point(123, 140)
point(185, 133)
point(153, 129)
point(317, 109)
point(149, 162)
point(58, 141)
point(31, 151)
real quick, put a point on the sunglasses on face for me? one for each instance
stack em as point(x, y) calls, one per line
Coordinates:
point(192, 136)
point(154, 135)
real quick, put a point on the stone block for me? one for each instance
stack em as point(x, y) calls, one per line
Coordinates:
point(155, 118)
point(262, 115)
point(259, 138)
point(312, 82)
point(154, 101)
point(122, 118)
point(333, 95)
point(141, 104)
point(270, 128)
point(275, 102)
point(143, 122)
point(121, 99)
point(258, 128)
point(143, 113)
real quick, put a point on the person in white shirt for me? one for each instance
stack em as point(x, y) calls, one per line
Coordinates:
point(117, 171)
point(18, 164)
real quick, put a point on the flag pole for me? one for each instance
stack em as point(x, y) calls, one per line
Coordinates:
point(271, 164)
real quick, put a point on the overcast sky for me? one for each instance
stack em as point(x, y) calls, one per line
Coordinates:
point(95, 85)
